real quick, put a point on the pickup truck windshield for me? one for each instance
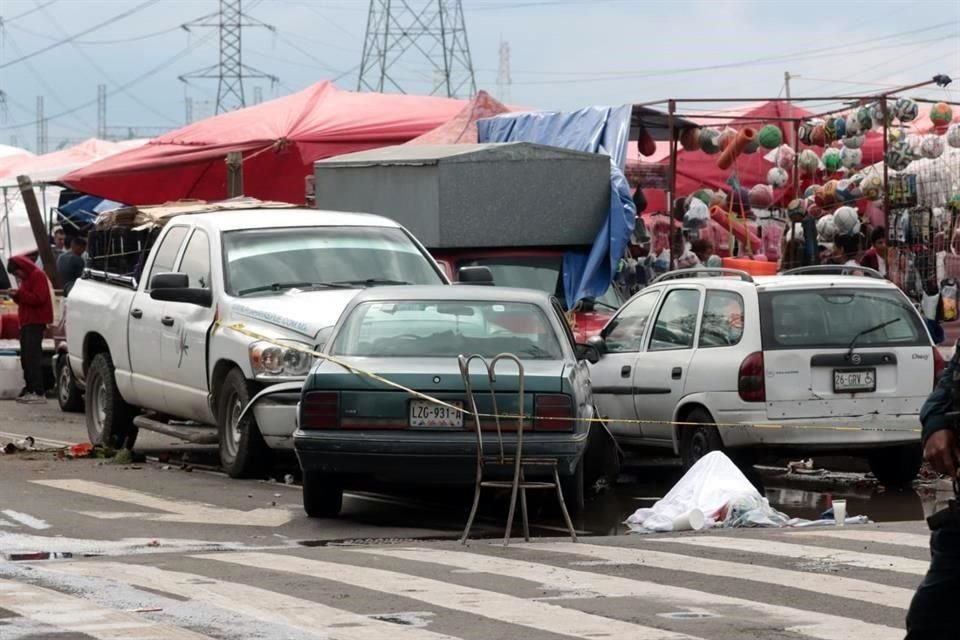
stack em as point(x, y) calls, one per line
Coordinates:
point(257, 260)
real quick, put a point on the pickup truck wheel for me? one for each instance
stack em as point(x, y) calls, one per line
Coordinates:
point(69, 396)
point(242, 450)
point(109, 417)
point(322, 495)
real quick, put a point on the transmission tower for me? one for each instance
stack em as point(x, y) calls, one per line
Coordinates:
point(102, 111)
point(433, 30)
point(257, 95)
point(504, 81)
point(41, 128)
point(188, 110)
point(230, 72)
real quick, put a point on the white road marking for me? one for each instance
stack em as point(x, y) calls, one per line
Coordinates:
point(488, 604)
point(7, 523)
point(261, 604)
point(174, 510)
point(838, 586)
point(83, 616)
point(811, 624)
point(918, 540)
point(804, 552)
point(26, 519)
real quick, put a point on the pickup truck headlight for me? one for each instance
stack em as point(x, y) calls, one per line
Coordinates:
point(270, 359)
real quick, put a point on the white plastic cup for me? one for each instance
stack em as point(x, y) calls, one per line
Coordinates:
point(840, 512)
point(692, 520)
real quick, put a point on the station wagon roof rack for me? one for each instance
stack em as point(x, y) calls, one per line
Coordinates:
point(834, 269)
point(706, 271)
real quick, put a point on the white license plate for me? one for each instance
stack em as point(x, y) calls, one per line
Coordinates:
point(429, 414)
point(854, 380)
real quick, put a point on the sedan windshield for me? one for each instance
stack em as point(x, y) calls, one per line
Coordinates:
point(265, 261)
point(434, 329)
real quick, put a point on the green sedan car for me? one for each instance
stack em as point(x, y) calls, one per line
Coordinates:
point(355, 431)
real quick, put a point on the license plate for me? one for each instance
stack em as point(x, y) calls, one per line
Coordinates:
point(429, 414)
point(854, 380)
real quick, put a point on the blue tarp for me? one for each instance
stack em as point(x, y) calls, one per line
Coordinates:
point(603, 130)
point(82, 211)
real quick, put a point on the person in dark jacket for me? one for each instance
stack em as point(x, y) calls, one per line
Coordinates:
point(931, 611)
point(35, 310)
point(70, 265)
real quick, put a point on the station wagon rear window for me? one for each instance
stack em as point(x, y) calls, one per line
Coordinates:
point(446, 329)
point(831, 318)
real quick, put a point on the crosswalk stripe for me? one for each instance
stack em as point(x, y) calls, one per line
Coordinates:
point(918, 540)
point(255, 602)
point(808, 623)
point(83, 616)
point(803, 552)
point(25, 519)
point(838, 586)
point(541, 616)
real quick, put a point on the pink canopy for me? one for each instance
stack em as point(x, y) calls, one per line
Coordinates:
point(462, 128)
point(50, 167)
point(279, 139)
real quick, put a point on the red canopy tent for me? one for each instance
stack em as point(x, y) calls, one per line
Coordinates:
point(462, 128)
point(279, 139)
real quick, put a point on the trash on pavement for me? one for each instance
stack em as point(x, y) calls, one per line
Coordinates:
point(716, 488)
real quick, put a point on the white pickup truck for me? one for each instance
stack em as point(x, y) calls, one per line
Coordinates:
point(157, 354)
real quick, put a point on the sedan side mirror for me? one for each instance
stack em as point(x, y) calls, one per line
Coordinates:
point(599, 343)
point(475, 275)
point(588, 352)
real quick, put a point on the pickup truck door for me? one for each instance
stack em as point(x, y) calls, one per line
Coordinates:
point(146, 325)
point(184, 340)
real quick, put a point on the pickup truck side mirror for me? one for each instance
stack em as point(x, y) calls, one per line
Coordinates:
point(475, 275)
point(169, 281)
point(199, 297)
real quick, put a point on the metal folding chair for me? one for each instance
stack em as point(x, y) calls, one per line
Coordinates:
point(502, 459)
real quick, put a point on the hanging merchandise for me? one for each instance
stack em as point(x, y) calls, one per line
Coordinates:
point(805, 133)
point(896, 135)
point(710, 140)
point(796, 209)
point(872, 187)
point(931, 147)
point(770, 137)
point(777, 177)
point(839, 128)
point(948, 299)
point(850, 158)
point(953, 135)
point(941, 114)
point(853, 125)
point(735, 146)
point(831, 160)
point(845, 191)
point(828, 195)
point(761, 196)
point(864, 119)
point(703, 195)
point(690, 139)
point(903, 191)
point(808, 162)
point(847, 221)
point(905, 110)
point(899, 155)
point(826, 228)
point(811, 191)
point(697, 214)
point(954, 202)
point(830, 130)
point(752, 146)
point(819, 135)
point(727, 136)
point(876, 115)
point(853, 142)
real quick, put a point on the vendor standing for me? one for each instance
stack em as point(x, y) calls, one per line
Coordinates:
point(35, 311)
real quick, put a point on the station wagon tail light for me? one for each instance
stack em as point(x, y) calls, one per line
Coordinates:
point(750, 382)
point(320, 410)
point(553, 413)
point(939, 364)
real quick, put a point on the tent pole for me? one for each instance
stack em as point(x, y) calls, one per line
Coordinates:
point(886, 175)
point(675, 234)
point(6, 220)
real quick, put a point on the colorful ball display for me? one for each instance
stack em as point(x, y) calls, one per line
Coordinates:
point(818, 136)
point(847, 221)
point(845, 191)
point(752, 146)
point(785, 157)
point(761, 196)
point(905, 110)
point(690, 139)
point(826, 228)
point(777, 177)
point(941, 114)
point(853, 142)
point(805, 132)
point(931, 147)
point(876, 114)
point(829, 192)
point(770, 136)
point(703, 195)
point(864, 119)
point(830, 130)
point(709, 140)
point(808, 162)
point(851, 158)
point(697, 215)
point(899, 155)
point(853, 125)
point(810, 191)
point(896, 135)
point(796, 209)
point(953, 135)
point(840, 127)
point(727, 136)
point(831, 160)
point(872, 187)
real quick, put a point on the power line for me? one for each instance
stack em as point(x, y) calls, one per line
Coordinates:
point(6, 21)
point(67, 40)
point(136, 38)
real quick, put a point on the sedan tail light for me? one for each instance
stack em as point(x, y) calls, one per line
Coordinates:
point(750, 382)
point(320, 410)
point(939, 364)
point(553, 413)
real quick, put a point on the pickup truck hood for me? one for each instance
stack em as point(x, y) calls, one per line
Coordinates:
point(302, 312)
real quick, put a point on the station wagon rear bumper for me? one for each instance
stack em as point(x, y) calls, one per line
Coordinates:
point(423, 456)
point(840, 434)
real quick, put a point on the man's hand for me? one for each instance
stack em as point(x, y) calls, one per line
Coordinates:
point(941, 452)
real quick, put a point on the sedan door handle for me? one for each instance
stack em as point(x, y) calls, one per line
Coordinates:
point(677, 373)
point(625, 371)
point(136, 313)
point(167, 321)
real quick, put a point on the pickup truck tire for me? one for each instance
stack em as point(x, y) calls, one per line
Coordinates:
point(109, 417)
point(322, 495)
point(69, 396)
point(243, 452)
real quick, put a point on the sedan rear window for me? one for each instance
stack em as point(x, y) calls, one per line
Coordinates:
point(447, 328)
point(832, 318)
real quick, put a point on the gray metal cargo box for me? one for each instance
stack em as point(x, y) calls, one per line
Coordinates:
point(474, 195)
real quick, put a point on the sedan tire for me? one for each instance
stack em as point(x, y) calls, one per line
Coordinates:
point(574, 491)
point(322, 495)
point(69, 395)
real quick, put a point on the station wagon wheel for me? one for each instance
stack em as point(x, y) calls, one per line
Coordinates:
point(698, 441)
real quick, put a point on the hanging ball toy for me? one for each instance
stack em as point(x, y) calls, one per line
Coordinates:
point(829, 193)
point(761, 196)
point(876, 114)
point(853, 142)
point(941, 114)
point(953, 135)
point(785, 157)
point(710, 140)
point(931, 147)
point(830, 130)
point(845, 191)
point(703, 195)
point(872, 187)
point(804, 133)
point(896, 135)
point(770, 137)
point(853, 125)
point(796, 209)
point(752, 146)
point(831, 160)
point(697, 215)
point(727, 136)
point(808, 162)
point(690, 139)
point(826, 228)
point(819, 135)
point(847, 220)
point(864, 119)
point(777, 177)
point(810, 191)
point(851, 158)
point(899, 155)
point(905, 110)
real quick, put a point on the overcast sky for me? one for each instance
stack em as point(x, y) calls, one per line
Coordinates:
point(563, 53)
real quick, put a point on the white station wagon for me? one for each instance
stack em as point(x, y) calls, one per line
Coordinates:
point(769, 365)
